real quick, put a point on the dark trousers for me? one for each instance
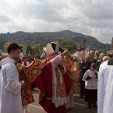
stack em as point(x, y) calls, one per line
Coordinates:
point(82, 89)
point(91, 97)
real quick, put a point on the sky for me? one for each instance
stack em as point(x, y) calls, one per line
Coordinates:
point(90, 17)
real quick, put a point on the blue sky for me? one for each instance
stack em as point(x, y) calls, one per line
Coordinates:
point(90, 17)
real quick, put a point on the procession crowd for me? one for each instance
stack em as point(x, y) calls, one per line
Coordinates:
point(57, 74)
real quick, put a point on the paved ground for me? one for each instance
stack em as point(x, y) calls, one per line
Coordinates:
point(80, 106)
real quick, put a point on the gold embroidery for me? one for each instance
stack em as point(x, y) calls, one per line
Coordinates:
point(60, 89)
point(72, 70)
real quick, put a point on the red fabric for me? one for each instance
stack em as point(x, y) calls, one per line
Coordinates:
point(44, 83)
point(67, 82)
point(31, 61)
point(25, 63)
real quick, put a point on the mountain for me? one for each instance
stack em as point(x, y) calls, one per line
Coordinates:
point(69, 37)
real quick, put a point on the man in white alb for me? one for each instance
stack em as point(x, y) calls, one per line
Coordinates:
point(105, 87)
point(10, 93)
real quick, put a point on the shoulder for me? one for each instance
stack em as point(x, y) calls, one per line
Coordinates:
point(88, 71)
point(103, 65)
point(10, 66)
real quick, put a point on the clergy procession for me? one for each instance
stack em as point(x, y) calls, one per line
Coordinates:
point(58, 76)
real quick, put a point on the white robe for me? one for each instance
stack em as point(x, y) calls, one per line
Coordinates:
point(10, 93)
point(0, 88)
point(105, 88)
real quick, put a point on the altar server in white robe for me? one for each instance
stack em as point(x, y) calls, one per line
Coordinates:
point(105, 88)
point(11, 87)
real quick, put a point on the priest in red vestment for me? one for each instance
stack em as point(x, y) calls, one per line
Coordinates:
point(52, 80)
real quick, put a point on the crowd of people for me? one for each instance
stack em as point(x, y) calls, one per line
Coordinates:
point(88, 75)
point(57, 74)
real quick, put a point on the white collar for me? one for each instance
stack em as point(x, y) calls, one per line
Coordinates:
point(7, 60)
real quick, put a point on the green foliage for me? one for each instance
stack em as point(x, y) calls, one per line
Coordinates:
point(29, 50)
point(6, 45)
point(2, 42)
point(37, 48)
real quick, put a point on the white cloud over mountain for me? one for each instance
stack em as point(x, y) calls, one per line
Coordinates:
point(91, 17)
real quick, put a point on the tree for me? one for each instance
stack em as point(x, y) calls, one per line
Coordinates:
point(37, 48)
point(2, 42)
point(6, 45)
point(29, 50)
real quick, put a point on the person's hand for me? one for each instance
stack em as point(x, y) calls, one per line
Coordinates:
point(22, 83)
point(66, 53)
point(95, 73)
point(88, 78)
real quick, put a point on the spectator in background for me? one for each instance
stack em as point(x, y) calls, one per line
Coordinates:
point(92, 53)
point(110, 54)
point(90, 78)
point(84, 65)
point(105, 58)
point(97, 55)
point(101, 57)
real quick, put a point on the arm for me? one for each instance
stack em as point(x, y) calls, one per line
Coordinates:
point(96, 74)
point(13, 85)
point(86, 76)
point(58, 59)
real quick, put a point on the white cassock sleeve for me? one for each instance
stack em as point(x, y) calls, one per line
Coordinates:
point(101, 90)
point(13, 85)
point(85, 76)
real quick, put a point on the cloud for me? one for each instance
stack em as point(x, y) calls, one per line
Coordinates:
point(4, 18)
point(91, 17)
